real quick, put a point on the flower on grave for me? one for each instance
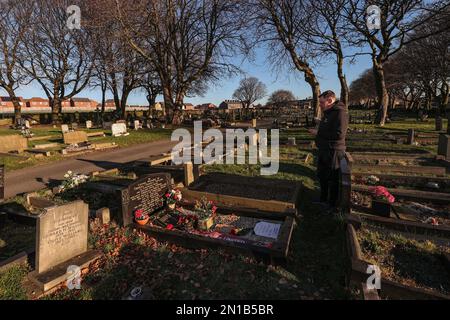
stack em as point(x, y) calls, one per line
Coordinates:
point(381, 193)
point(205, 209)
point(139, 214)
point(169, 226)
point(172, 196)
point(373, 180)
point(72, 180)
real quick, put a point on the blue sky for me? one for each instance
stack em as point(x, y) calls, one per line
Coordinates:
point(259, 68)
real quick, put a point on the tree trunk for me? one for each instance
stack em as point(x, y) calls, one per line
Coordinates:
point(103, 101)
point(342, 80)
point(56, 109)
point(17, 106)
point(444, 98)
point(311, 79)
point(382, 93)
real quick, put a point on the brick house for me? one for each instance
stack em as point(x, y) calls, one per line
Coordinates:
point(188, 106)
point(231, 105)
point(37, 102)
point(206, 106)
point(6, 102)
point(81, 103)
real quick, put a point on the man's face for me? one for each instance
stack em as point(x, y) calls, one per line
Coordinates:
point(325, 103)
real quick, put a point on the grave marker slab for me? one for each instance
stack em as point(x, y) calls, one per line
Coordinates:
point(14, 143)
point(444, 146)
point(146, 194)
point(74, 126)
point(107, 125)
point(410, 139)
point(65, 128)
point(88, 124)
point(75, 137)
point(119, 129)
point(61, 234)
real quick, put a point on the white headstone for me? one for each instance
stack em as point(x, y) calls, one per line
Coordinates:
point(137, 124)
point(88, 124)
point(64, 128)
point(27, 124)
point(119, 129)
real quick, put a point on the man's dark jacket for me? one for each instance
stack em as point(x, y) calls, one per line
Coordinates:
point(333, 128)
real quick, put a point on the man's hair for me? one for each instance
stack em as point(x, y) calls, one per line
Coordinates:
point(328, 94)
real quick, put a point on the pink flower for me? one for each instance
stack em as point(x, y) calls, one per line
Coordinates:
point(169, 227)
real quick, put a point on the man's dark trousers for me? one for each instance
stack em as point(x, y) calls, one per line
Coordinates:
point(328, 174)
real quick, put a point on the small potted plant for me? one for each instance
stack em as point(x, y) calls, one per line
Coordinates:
point(172, 197)
point(381, 201)
point(206, 211)
point(141, 217)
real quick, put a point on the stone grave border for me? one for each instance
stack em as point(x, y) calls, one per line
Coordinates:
point(371, 169)
point(277, 254)
point(389, 288)
point(244, 202)
point(405, 180)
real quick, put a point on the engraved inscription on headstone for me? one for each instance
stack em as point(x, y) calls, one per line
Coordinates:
point(62, 233)
point(146, 194)
point(2, 181)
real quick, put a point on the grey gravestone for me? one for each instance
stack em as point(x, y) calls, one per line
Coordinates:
point(2, 182)
point(146, 194)
point(64, 128)
point(74, 126)
point(61, 234)
point(444, 146)
point(410, 139)
point(107, 125)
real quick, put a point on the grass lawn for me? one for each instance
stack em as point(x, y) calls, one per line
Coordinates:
point(317, 265)
point(28, 160)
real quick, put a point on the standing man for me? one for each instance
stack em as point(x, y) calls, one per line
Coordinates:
point(330, 140)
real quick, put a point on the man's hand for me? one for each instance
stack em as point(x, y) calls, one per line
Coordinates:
point(313, 131)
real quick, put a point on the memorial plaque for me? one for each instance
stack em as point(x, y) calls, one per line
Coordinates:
point(62, 233)
point(146, 194)
point(2, 181)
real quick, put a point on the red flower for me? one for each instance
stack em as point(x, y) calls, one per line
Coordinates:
point(169, 227)
point(233, 232)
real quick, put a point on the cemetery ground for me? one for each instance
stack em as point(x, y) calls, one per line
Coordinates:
point(317, 265)
point(47, 135)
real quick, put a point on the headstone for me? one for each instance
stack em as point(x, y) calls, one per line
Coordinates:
point(291, 141)
point(107, 125)
point(104, 215)
point(146, 194)
point(253, 123)
point(119, 129)
point(137, 125)
point(438, 124)
point(65, 128)
point(188, 173)
point(27, 124)
point(88, 124)
point(13, 143)
point(74, 126)
point(444, 146)
point(61, 234)
point(2, 182)
point(75, 137)
point(410, 139)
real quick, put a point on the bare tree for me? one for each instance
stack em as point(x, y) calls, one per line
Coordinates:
point(281, 25)
point(280, 97)
point(398, 19)
point(55, 56)
point(186, 42)
point(249, 91)
point(14, 20)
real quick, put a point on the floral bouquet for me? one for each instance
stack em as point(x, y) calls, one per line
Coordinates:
point(205, 211)
point(372, 180)
point(381, 193)
point(141, 217)
point(72, 180)
point(172, 197)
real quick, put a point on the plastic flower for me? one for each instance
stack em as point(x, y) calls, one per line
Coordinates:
point(169, 227)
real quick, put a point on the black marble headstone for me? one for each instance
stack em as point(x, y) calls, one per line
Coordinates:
point(146, 194)
point(444, 146)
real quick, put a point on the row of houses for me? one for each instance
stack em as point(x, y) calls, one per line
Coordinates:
point(86, 104)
